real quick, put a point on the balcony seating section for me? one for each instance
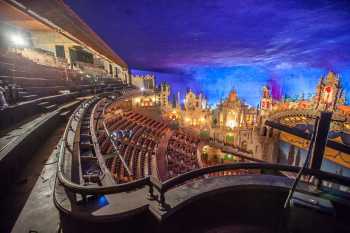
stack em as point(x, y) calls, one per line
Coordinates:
point(26, 73)
point(36, 80)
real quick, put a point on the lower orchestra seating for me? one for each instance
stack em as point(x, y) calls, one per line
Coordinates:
point(137, 139)
point(181, 153)
point(143, 144)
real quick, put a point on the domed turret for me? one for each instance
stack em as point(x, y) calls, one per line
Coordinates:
point(232, 96)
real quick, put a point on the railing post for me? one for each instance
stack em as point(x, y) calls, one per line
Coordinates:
point(150, 194)
point(162, 206)
point(320, 140)
point(84, 198)
point(319, 183)
point(321, 137)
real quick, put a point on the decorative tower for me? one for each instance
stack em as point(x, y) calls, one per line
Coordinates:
point(329, 93)
point(164, 95)
point(190, 101)
point(178, 101)
point(266, 101)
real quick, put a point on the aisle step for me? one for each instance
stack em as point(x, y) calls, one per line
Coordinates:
point(51, 107)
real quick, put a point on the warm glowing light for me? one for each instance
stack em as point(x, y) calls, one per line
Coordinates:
point(231, 124)
point(142, 89)
point(18, 40)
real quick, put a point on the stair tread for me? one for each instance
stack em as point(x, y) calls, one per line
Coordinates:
point(87, 153)
point(66, 113)
point(88, 157)
point(50, 106)
point(86, 146)
point(43, 103)
point(29, 96)
point(85, 141)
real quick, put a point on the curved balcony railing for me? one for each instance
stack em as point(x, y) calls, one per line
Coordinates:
point(162, 187)
point(181, 179)
point(66, 148)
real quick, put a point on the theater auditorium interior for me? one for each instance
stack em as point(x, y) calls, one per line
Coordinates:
point(174, 116)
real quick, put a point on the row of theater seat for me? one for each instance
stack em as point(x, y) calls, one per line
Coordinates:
point(181, 154)
point(137, 146)
point(137, 139)
point(33, 80)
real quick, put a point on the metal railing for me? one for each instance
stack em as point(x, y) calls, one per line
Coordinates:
point(275, 168)
point(93, 127)
point(113, 142)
